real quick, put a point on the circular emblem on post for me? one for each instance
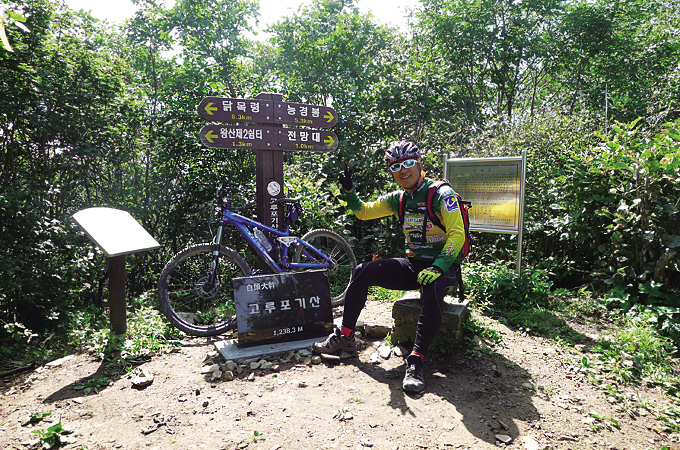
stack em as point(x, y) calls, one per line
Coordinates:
point(274, 188)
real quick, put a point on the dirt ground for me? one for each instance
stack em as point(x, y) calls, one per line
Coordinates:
point(526, 392)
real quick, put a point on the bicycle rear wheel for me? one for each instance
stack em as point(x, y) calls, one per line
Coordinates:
point(186, 296)
point(341, 255)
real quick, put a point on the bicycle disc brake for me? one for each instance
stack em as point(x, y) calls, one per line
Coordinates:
point(205, 290)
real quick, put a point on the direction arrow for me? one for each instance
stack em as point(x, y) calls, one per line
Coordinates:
point(210, 136)
point(210, 109)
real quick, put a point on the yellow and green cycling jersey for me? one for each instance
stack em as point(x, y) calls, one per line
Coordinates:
point(441, 247)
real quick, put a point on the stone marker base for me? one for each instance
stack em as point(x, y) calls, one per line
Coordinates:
point(407, 310)
point(230, 350)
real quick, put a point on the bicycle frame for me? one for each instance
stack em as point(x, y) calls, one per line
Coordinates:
point(283, 240)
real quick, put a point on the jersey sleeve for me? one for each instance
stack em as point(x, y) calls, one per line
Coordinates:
point(451, 218)
point(382, 207)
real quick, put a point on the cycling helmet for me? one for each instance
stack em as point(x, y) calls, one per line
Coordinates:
point(400, 151)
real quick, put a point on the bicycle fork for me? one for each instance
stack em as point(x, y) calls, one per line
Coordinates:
point(212, 277)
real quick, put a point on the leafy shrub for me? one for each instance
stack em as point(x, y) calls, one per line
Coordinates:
point(495, 285)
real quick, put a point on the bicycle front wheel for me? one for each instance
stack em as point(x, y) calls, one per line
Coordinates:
point(342, 258)
point(190, 300)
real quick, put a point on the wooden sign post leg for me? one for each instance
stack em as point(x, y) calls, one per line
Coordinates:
point(269, 180)
point(117, 305)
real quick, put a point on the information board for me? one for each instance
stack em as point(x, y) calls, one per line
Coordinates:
point(282, 307)
point(114, 231)
point(495, 186)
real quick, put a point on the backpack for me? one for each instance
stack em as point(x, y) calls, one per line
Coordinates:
point(463, 207)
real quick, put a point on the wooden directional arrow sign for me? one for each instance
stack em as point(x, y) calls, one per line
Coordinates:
point(226, 136)
point(219, 109)
point(303, 139)
point(301, 114)
point(267, 138)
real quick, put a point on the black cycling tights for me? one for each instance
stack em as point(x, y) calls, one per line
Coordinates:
point(400, 274)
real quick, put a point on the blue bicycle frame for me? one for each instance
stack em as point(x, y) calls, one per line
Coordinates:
point(243, 224)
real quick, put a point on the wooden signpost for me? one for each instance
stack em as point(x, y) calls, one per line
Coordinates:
point(268, 137)
point(292, 306)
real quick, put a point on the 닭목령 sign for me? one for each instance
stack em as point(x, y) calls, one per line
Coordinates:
point(282, 307)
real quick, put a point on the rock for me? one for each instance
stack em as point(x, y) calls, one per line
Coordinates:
point(210, 368)
point(266, 365)
point(187, 317)
point(384, 351)
point(254, 365)
point(231, 365)
point(375, 358)
point(251, 377)
point(503, 438)
point(478, 343)
point(276, 368)
point(228, 375)
point(377, 331)
point(216, 375)
point(142, 380)
point(316, 359)
point(399, 351)
point(530, 443)
point(365, 443)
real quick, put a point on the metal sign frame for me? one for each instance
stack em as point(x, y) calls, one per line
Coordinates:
point(496, 188)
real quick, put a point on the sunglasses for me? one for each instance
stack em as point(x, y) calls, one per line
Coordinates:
point(409, 163)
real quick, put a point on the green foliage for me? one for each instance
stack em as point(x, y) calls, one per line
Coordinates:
point(379, 294)
point(497, 286)
point(35, 417)
point(56, 436)
point(93, 385)
point(97, 116)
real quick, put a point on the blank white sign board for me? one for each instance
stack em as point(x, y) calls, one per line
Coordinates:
point(114, 231)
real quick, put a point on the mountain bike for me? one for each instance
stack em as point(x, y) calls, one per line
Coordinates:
point(195, 288)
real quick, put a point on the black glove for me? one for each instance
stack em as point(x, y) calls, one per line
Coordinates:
point(345, 178)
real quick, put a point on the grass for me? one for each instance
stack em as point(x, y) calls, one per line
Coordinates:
point(382, 295)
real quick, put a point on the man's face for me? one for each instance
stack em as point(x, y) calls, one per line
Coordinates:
point(406, 177)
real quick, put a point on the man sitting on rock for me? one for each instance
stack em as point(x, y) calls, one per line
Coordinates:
point(433, 256)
